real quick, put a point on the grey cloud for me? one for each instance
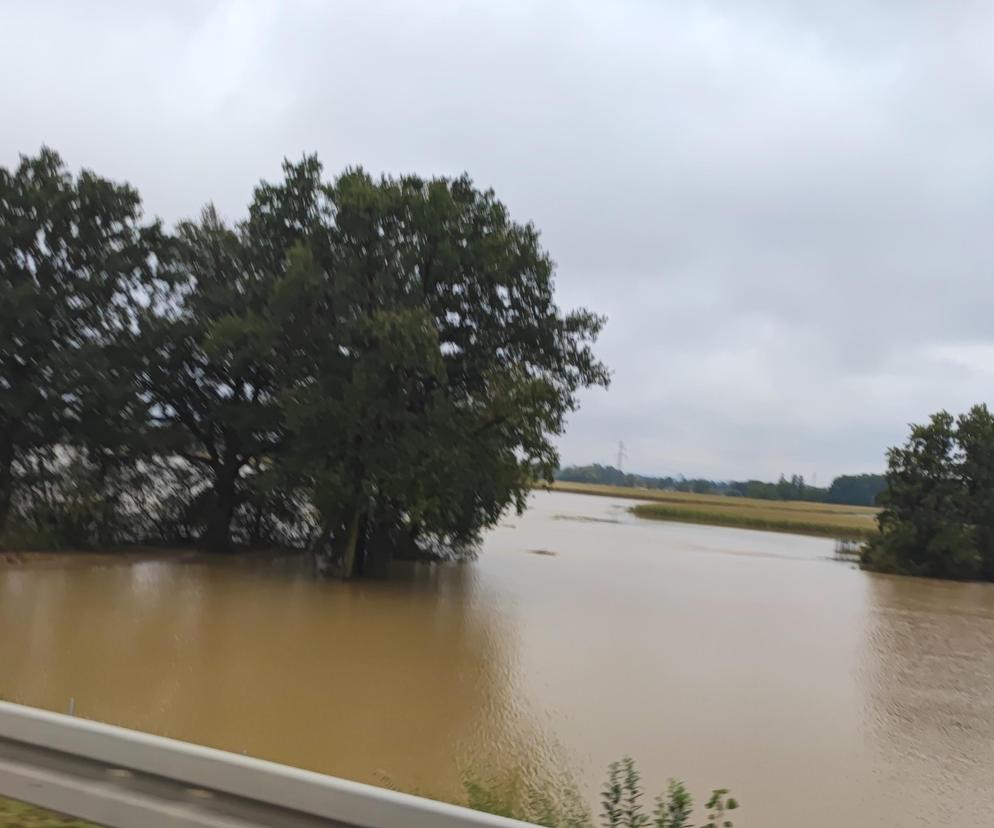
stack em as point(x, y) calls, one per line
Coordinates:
point(783, 207)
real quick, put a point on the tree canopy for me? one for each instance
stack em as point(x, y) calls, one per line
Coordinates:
point(938, 515)
point(76, 262)
point(358, 362)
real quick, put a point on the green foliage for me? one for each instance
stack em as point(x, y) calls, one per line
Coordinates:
point(498, 800)
point(75, 264)
point(975, 435)
point(605, 476)
point(207, 363)
point(620, 805)
point(611, 794)
point(424, 329)
point(358, 359)
point(793, 489)
point(938, 515)
point(22, 535)
point(76, 506)
point(718, 806)
point(857, 489)
point(631, 808)
point(673, 810)
point(514, 795)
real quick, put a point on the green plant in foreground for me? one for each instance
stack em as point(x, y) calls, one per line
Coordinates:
point(611, 797)
point(555, 802)
point(631, 810)
point(673, 810)
point(717, 805)
point(620, 806)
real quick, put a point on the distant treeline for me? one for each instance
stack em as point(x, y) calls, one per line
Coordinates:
point(850, 489)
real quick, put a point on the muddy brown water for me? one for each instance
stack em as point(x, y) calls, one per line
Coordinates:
point(822, 695)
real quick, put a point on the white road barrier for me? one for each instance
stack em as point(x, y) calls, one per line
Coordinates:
point(125, 779)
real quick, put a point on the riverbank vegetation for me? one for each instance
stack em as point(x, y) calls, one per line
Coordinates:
point(938, 508)
point(622, 802)
point(14, 814)
point(826, 520)
point(361, 367)
point(848, 489)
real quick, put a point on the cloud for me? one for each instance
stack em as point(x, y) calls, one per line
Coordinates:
point(783, 208)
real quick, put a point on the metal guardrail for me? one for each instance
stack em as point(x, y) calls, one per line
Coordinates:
point(125, 779)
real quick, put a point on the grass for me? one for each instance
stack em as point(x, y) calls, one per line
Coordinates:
point(511, 794)
point(14, 814)
point(823, 519)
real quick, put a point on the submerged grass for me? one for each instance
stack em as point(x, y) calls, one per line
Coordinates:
point(772, 520)
point(823, 519)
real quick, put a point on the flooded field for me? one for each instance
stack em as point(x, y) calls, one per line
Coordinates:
point(820, 694)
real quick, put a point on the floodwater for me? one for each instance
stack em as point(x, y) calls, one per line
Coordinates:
point(822, 695)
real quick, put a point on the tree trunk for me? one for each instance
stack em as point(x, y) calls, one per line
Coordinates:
point(6, 477)
point(217, 537)
point(257, 522)
point(379, 550)
point(336, 549)
point(346, 545)
point(361, 549)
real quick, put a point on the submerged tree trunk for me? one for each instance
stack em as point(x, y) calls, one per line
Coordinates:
point(6, 477)
point(337, 549)
point(362, 546)
point(260, 512)
point(380, 549)
point(346, 545)
point(217, 537)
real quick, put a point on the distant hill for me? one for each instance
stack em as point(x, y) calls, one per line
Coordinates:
point(850, 489)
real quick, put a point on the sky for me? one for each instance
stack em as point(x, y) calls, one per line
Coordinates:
point(784, 208)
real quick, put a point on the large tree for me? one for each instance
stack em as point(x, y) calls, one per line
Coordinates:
point(382, 357)
point(76, 262)
point(208, 365)
point(431, 365)
point(975, 434)
point(216, 356)
point(938, 513)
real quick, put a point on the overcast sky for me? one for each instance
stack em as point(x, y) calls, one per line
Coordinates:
point(785, 208)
